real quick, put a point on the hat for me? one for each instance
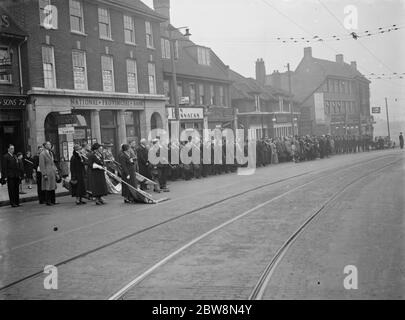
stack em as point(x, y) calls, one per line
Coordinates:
point(155, 140)
point(95, 146)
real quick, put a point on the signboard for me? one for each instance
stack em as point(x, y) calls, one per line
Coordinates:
point(186, 113)
point(111, 103)
point(319, 108)
point(66, 130)
point(185, 100)
point(376, 110)
point(13, 102)
point(191, 113)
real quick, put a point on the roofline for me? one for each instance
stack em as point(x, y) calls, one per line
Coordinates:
point(151, 14)
point(192, 77)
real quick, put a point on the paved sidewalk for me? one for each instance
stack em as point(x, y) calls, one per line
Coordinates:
point(31, 194)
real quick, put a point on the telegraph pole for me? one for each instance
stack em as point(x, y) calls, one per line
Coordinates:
point(388, 119)
point(291, 104)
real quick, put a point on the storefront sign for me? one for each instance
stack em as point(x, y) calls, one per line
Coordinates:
point(186, 113)
point(66, 130)
point(13, 102)
point(110, 103)
point(283, 118)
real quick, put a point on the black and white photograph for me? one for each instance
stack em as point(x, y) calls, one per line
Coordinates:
point(219, 151)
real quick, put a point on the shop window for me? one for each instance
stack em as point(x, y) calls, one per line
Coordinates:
point(132, 124)
point(76, 16)
point(5, 65)
point(79, 70)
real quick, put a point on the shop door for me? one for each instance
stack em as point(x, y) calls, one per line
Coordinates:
point(11, 133)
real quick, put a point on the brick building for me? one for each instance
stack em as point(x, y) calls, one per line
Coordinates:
point(334, 96)
point(13, 99)
point(94, 71)
point(202, 79)
point(263, 108)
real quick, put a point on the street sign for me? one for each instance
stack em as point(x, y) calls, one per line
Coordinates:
point(376, 110)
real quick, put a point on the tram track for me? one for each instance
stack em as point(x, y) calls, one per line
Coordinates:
point(190, 212)
point(261, 286)
point(121, 293)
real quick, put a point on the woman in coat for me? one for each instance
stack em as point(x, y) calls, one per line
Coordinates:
point(128, 167)
point(98, 185)
point(77, 173)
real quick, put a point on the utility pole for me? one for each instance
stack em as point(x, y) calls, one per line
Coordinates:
point(290, 98)
point(388, 119)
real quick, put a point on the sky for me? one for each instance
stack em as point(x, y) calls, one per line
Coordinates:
point(240, 31)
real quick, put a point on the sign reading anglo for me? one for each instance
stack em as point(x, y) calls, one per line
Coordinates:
point(13, 102)
point(106, 102)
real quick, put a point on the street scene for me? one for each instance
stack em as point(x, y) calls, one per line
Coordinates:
point(147, 154)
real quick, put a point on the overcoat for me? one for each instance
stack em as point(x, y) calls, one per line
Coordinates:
point(48, 168)
point(127, 169)
point(78, 173)
point(97, 183)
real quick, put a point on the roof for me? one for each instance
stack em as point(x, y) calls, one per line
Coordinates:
point(246, 88)
point(138, 6)
point(187, 65)
point(313, 72)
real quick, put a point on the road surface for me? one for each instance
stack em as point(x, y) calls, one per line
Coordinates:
point(288, 232)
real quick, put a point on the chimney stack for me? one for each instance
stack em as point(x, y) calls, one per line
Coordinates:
point(354, 65)
point(163, 8)
point(308, 52)
point(339, 58)
point(261, 72)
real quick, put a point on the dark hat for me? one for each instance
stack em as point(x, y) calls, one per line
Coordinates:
point(95, 146)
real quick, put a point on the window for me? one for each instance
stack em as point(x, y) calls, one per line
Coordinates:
point(336, 84)
point(222, 97)
point(257, 103)
point(129, 29)
point(107, 69)
point(192, 94)
point(212, 95)
point(149, 35)
point(5, 64)
point(280, 104)
point(48, 63)
point(176, 50)
point(166, 88)
point(104, 25)
point(76, 16)
point(48, 16)
point(204, 56)
point(79, 70)
point(179, 91)
point(132, 123)
point(132, 76)
point(331, 87)
point(152, 78)
point(165, 48)
point(201, 94)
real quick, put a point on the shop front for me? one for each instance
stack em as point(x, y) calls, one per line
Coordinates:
point(111, 121)
point(190, 118)
point(13, 123)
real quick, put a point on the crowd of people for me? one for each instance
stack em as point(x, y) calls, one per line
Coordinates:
point(94, 172)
